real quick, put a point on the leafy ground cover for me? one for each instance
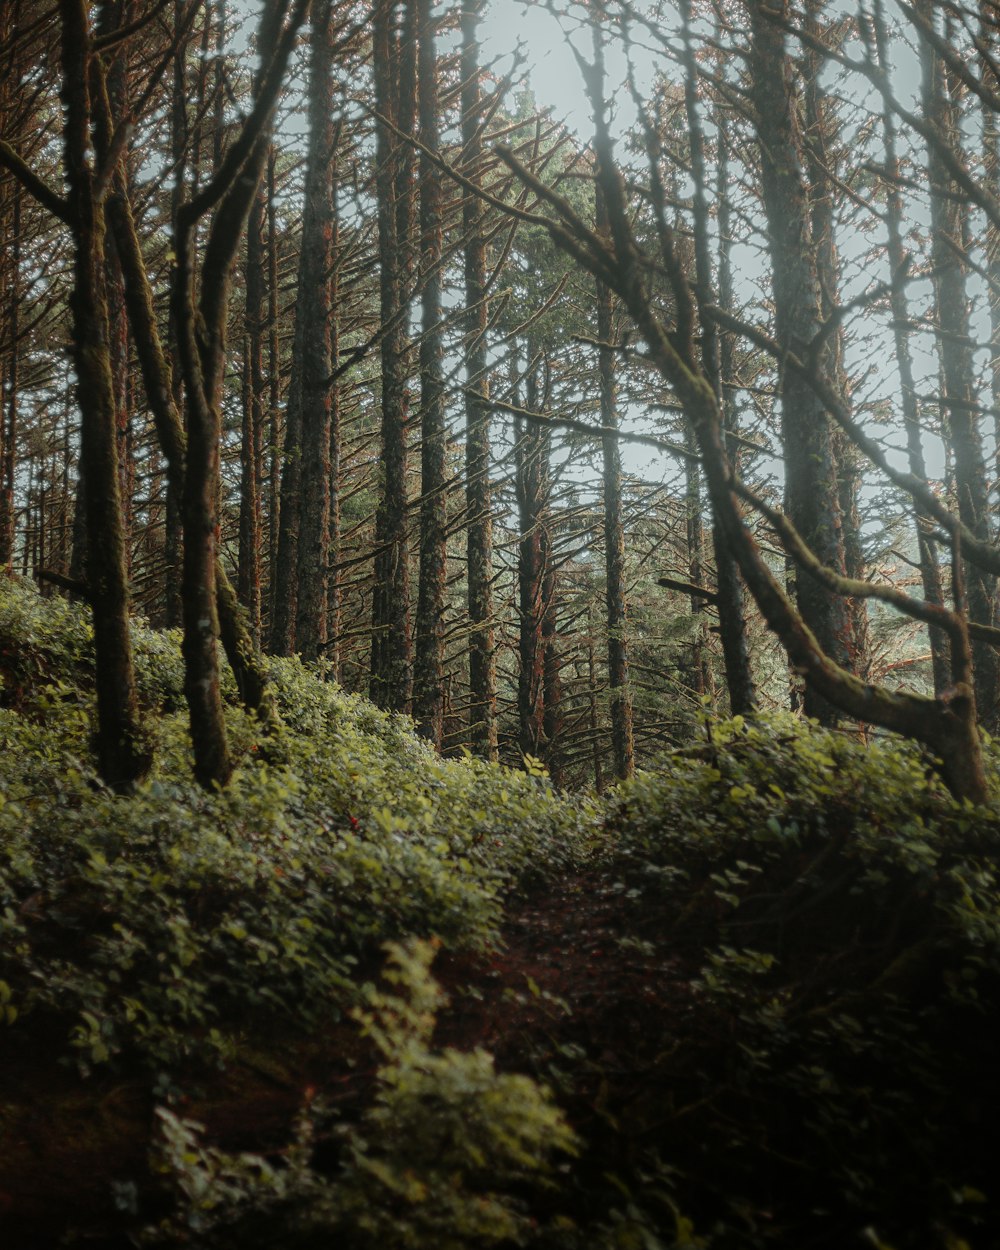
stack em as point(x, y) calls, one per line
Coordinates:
point(748, 1001)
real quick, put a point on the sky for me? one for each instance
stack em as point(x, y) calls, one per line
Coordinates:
point(549, 61)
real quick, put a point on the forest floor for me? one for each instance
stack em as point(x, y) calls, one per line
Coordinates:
point(567, 995)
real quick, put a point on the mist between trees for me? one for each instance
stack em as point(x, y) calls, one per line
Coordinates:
point(318, 335)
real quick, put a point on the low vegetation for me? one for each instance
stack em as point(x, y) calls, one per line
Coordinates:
point(747, 1000)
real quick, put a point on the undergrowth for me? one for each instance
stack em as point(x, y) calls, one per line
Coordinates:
point(812, 1063)
point(841, 913)
point(159, 924)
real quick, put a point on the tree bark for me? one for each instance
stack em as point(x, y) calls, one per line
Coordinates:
point(954, 344)
point(622, 741)
point(248, 582)
point(314, 390)
point(733, 623)
point(478, 500)
point(531, 456)
point(428, 668)
point(927, 549)
point(122, 751)
point(393, 55)
point(11, 381)
point(811, 469)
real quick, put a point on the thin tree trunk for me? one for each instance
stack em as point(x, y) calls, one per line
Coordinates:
point(531, 487)
point(820, 140)
point(622, 741)
point(428, 668)
point(955, 353)
point(989, 14)
point(316, 364)
point(11, 396)
point(927, 550)
point(333, 588)
point(248, 565)
point(391, 673)
point(274, 414)
point(479, 542)
point(733, 624)
point(173, 540)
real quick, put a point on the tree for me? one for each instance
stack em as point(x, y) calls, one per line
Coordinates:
point(947, 726)
point(812, 469)
point(478, 502)
point(428, 672)
point(623, 744)
point(394, 57)
point(954, 345)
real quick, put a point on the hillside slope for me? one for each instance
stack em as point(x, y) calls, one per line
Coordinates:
point(750, 1000)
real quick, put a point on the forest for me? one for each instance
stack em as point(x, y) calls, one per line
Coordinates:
point(499, 624)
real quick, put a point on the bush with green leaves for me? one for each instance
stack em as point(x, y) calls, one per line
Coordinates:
point(447, 1155)
point(161, 922)
point(844, 911)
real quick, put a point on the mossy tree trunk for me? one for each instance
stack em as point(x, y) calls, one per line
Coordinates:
point(718, 358)
point(200, 314)
point(534, 558)
point(122, 750)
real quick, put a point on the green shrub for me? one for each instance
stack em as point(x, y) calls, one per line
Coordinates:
point(446, 1156)
point(161, 923)
point(840, 913)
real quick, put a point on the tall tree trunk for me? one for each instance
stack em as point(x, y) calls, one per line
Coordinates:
point(393, 56)
point(202, 349)
point(533, 562)
point(733, 626)
point(248, 586)
point(479, 542)
point(179, 152)
point(122, 751)
point(717, 361)
point(275, 422)
point(821, 139)
point(428, 667)
point(622, 742)
point(988, 16)
point(927, 550)
point(110, 19)
point(199, 513)
point(314, 306)
point(811, 469)
point(954, 346)
point(11, 379)
point(333, 588)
